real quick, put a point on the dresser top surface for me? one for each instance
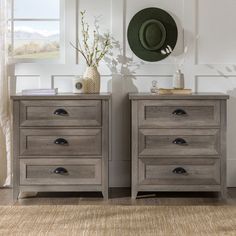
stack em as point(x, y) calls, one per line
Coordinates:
point(202, 96)
point(62, 96)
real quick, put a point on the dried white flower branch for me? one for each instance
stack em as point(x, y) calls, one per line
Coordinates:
point(99, 47)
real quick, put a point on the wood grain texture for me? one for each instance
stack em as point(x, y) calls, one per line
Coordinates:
point(117, 196)
point(84, 155)
point(201, 128)
point(134, 143)
point(41, 142)
point(106, 149)
point(194, 96)
point(42, 113)
point(41, 172)
point(63, 96)
point(16, 148)
point(154, 142)
point(223, 146)
point(198, 172)
point(155, 113)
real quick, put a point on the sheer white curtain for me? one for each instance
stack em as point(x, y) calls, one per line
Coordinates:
point(5, 134)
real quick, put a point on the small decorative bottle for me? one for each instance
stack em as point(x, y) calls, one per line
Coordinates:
point(154, 88)
point(178, 80)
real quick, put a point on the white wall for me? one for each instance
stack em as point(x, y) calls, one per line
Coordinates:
point(209, 31)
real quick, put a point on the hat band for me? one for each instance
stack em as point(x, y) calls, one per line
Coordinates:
point(152, 34)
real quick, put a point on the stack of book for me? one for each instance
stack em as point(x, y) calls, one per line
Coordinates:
point(164, 91)
point(40, 91)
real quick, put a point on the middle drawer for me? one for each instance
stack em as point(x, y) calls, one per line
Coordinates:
point(179, 142)
point(60, 142)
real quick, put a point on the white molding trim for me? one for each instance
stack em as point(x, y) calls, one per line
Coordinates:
point(231, 173)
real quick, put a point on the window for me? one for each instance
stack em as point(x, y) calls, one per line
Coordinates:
point(34, 29)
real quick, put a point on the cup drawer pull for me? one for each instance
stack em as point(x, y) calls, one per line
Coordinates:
point(60, 171)
point(61, 112)
point(179, 112)
point(180, 171)
point(180, 141)
point(61, 141)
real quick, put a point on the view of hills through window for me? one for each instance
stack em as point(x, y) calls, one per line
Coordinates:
point(35, 29)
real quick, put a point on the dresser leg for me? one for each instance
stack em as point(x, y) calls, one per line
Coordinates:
point(223, 194)
point(134, 194)
point(105, 195)
point(16, 193)
point(27, 195)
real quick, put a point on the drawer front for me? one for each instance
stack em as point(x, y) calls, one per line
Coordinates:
point(60, 142)
point(60, 113)
point(179, 171)
point(60, 172)
point(175, 113)
point(179, 142)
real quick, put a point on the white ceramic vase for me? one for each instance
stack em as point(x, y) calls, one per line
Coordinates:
point(92, 80)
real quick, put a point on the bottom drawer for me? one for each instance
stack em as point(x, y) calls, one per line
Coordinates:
point(179, 172)
point(60, 171)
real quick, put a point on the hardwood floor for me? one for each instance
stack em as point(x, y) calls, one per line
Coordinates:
point(120, 196)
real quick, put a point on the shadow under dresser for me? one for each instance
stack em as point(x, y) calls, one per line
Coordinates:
point(61, 143)
point(178, 142)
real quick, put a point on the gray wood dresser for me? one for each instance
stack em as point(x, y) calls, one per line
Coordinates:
point(61, 143)
point(178, 142)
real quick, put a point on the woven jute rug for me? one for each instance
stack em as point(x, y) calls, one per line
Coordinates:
point(117, 220)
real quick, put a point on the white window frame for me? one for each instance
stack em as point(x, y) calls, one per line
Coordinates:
point(61, 59)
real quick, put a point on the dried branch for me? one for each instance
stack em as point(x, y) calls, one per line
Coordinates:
point(99, 48)
point(80, 51)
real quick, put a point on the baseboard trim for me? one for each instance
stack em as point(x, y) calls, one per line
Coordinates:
point(119, 174)
point(231, 173)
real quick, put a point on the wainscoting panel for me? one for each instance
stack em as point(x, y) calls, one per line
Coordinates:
point(217, 38)
point(63, 83)
point(27, 82)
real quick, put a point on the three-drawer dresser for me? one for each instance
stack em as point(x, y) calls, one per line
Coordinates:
point(61, 143)
point(178, 143)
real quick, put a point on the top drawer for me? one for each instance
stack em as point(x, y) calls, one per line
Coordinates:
point(175, 113)
point(60, 113)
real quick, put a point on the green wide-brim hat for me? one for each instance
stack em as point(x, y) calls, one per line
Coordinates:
point(152, 34)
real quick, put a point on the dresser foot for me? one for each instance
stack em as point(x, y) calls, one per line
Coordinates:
point(105, 195)
point(222, 195)
point(134, 194)
point(27, 195)
point(16, 193)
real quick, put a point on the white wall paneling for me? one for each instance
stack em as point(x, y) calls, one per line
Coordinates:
point(120, 105)
point(206, 27)
point(27, 82)
point(63, 83)
point(71, 30)
point(214, 68)
point(217, 34)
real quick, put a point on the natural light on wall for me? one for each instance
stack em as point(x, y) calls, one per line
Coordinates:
point(34, 29)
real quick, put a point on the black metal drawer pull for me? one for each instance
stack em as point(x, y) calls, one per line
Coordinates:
point(179, 112)
point(60, 171)
point(180, 171)
point(61, 112)
point(61, 141)
point(180, 141)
